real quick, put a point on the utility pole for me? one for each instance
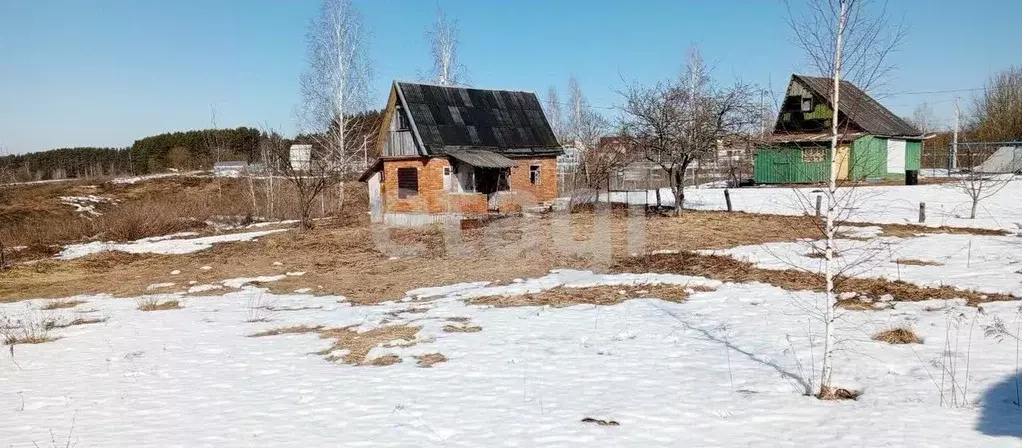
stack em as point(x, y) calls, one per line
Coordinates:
point(953, 162)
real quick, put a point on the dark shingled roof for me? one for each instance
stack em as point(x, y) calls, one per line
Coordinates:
point(860, 108)
point(501, 121)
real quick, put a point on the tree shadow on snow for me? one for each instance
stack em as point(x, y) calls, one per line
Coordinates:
point(1002, 408)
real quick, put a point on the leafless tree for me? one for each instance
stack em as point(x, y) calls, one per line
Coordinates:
point(977, 185)
point(308, 181)
point(843, 40)
point(555, 116)
point(334, 89)
point(585, 127)
point(681, 120)
point(998, 111)
point(443, 39)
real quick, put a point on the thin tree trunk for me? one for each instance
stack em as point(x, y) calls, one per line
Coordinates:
point(828, 264)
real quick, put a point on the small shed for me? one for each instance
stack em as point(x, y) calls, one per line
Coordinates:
point(875, 143)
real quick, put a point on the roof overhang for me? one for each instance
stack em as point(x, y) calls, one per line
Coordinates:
point(481, 159)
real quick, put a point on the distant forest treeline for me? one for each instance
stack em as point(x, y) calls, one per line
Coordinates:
point(186, 150)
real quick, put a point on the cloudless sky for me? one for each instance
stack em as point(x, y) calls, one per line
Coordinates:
point(105, 72)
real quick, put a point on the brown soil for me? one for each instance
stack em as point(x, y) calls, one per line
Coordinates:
point(727, 269)
point(597, 295)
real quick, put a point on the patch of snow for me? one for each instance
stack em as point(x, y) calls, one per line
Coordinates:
point(159, 245)
point(242, 281)
point(722, 365)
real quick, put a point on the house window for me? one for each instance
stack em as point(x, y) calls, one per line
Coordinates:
point(813, 155)
point(807, 104)
point(534, 174)
point(407, 182)
point(402, 120)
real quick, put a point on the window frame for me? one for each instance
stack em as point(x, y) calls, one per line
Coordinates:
point(403, 192)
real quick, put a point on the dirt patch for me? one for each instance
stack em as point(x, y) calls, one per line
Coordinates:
point(901, 335)
point(593, 295)
point(727, 269)
point(914, 262)
point(429, 359)
point(151, 304)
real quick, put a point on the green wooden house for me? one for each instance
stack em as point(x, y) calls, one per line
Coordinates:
point(875, 144)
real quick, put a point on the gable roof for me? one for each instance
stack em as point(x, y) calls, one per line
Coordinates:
point(448, 118)
point(861, 109)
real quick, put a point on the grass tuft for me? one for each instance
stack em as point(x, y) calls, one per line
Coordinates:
point(900, 335)
point(153, 304)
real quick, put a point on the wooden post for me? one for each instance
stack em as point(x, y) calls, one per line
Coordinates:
point(922, 212)
point(727, 199)
point(819, 205)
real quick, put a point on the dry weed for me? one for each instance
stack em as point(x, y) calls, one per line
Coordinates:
point(914, 262)
point(154, 304)
point(428, 360)
point(900, 335)
point(462, 328)
point(591, 295)
point(61, 304)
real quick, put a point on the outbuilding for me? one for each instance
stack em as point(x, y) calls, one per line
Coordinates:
point(874, 144)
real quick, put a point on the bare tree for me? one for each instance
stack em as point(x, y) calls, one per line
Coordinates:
point(679, 121)
point(335, 89)
point(555, 116)
point(978, 185)
point(584, 128)
point(842, 39)
point(443, 40)
point(309, 179)
point(998, 111)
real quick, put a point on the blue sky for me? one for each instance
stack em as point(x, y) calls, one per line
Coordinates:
point(105, 72)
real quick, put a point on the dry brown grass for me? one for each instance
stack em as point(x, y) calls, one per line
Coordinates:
point(914, 262)
point(429, 359)
point(727, 269)
point(462, 328)
point(836, 393)
point(61, 304)
point(899, 335)
point(54, 324)
point(295, 329)
point(152, 304)
point(594, 295)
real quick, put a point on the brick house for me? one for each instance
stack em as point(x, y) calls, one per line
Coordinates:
point(453, 153)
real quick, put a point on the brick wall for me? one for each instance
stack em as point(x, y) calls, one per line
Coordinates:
point(432, 197)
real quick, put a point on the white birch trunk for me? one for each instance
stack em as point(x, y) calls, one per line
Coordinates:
point(828, 265)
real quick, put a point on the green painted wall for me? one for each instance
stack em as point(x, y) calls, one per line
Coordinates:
point(868, 159)
point(784, 165)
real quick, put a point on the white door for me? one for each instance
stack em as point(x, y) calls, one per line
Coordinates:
point(896, 156)
point(375, 199)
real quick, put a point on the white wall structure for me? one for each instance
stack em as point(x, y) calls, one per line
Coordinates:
point(895, 156)
point(301, 157)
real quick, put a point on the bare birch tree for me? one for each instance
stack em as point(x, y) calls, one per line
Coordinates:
point(843, 40)
point(443, 41)
point(335, 89)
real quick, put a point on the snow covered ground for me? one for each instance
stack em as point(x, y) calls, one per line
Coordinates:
point(945, 204)
point(983, 263)
point(168, 244)
point(721, 369)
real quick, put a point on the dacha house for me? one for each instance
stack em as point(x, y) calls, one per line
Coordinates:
point(454, 153)
point(875, 144)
